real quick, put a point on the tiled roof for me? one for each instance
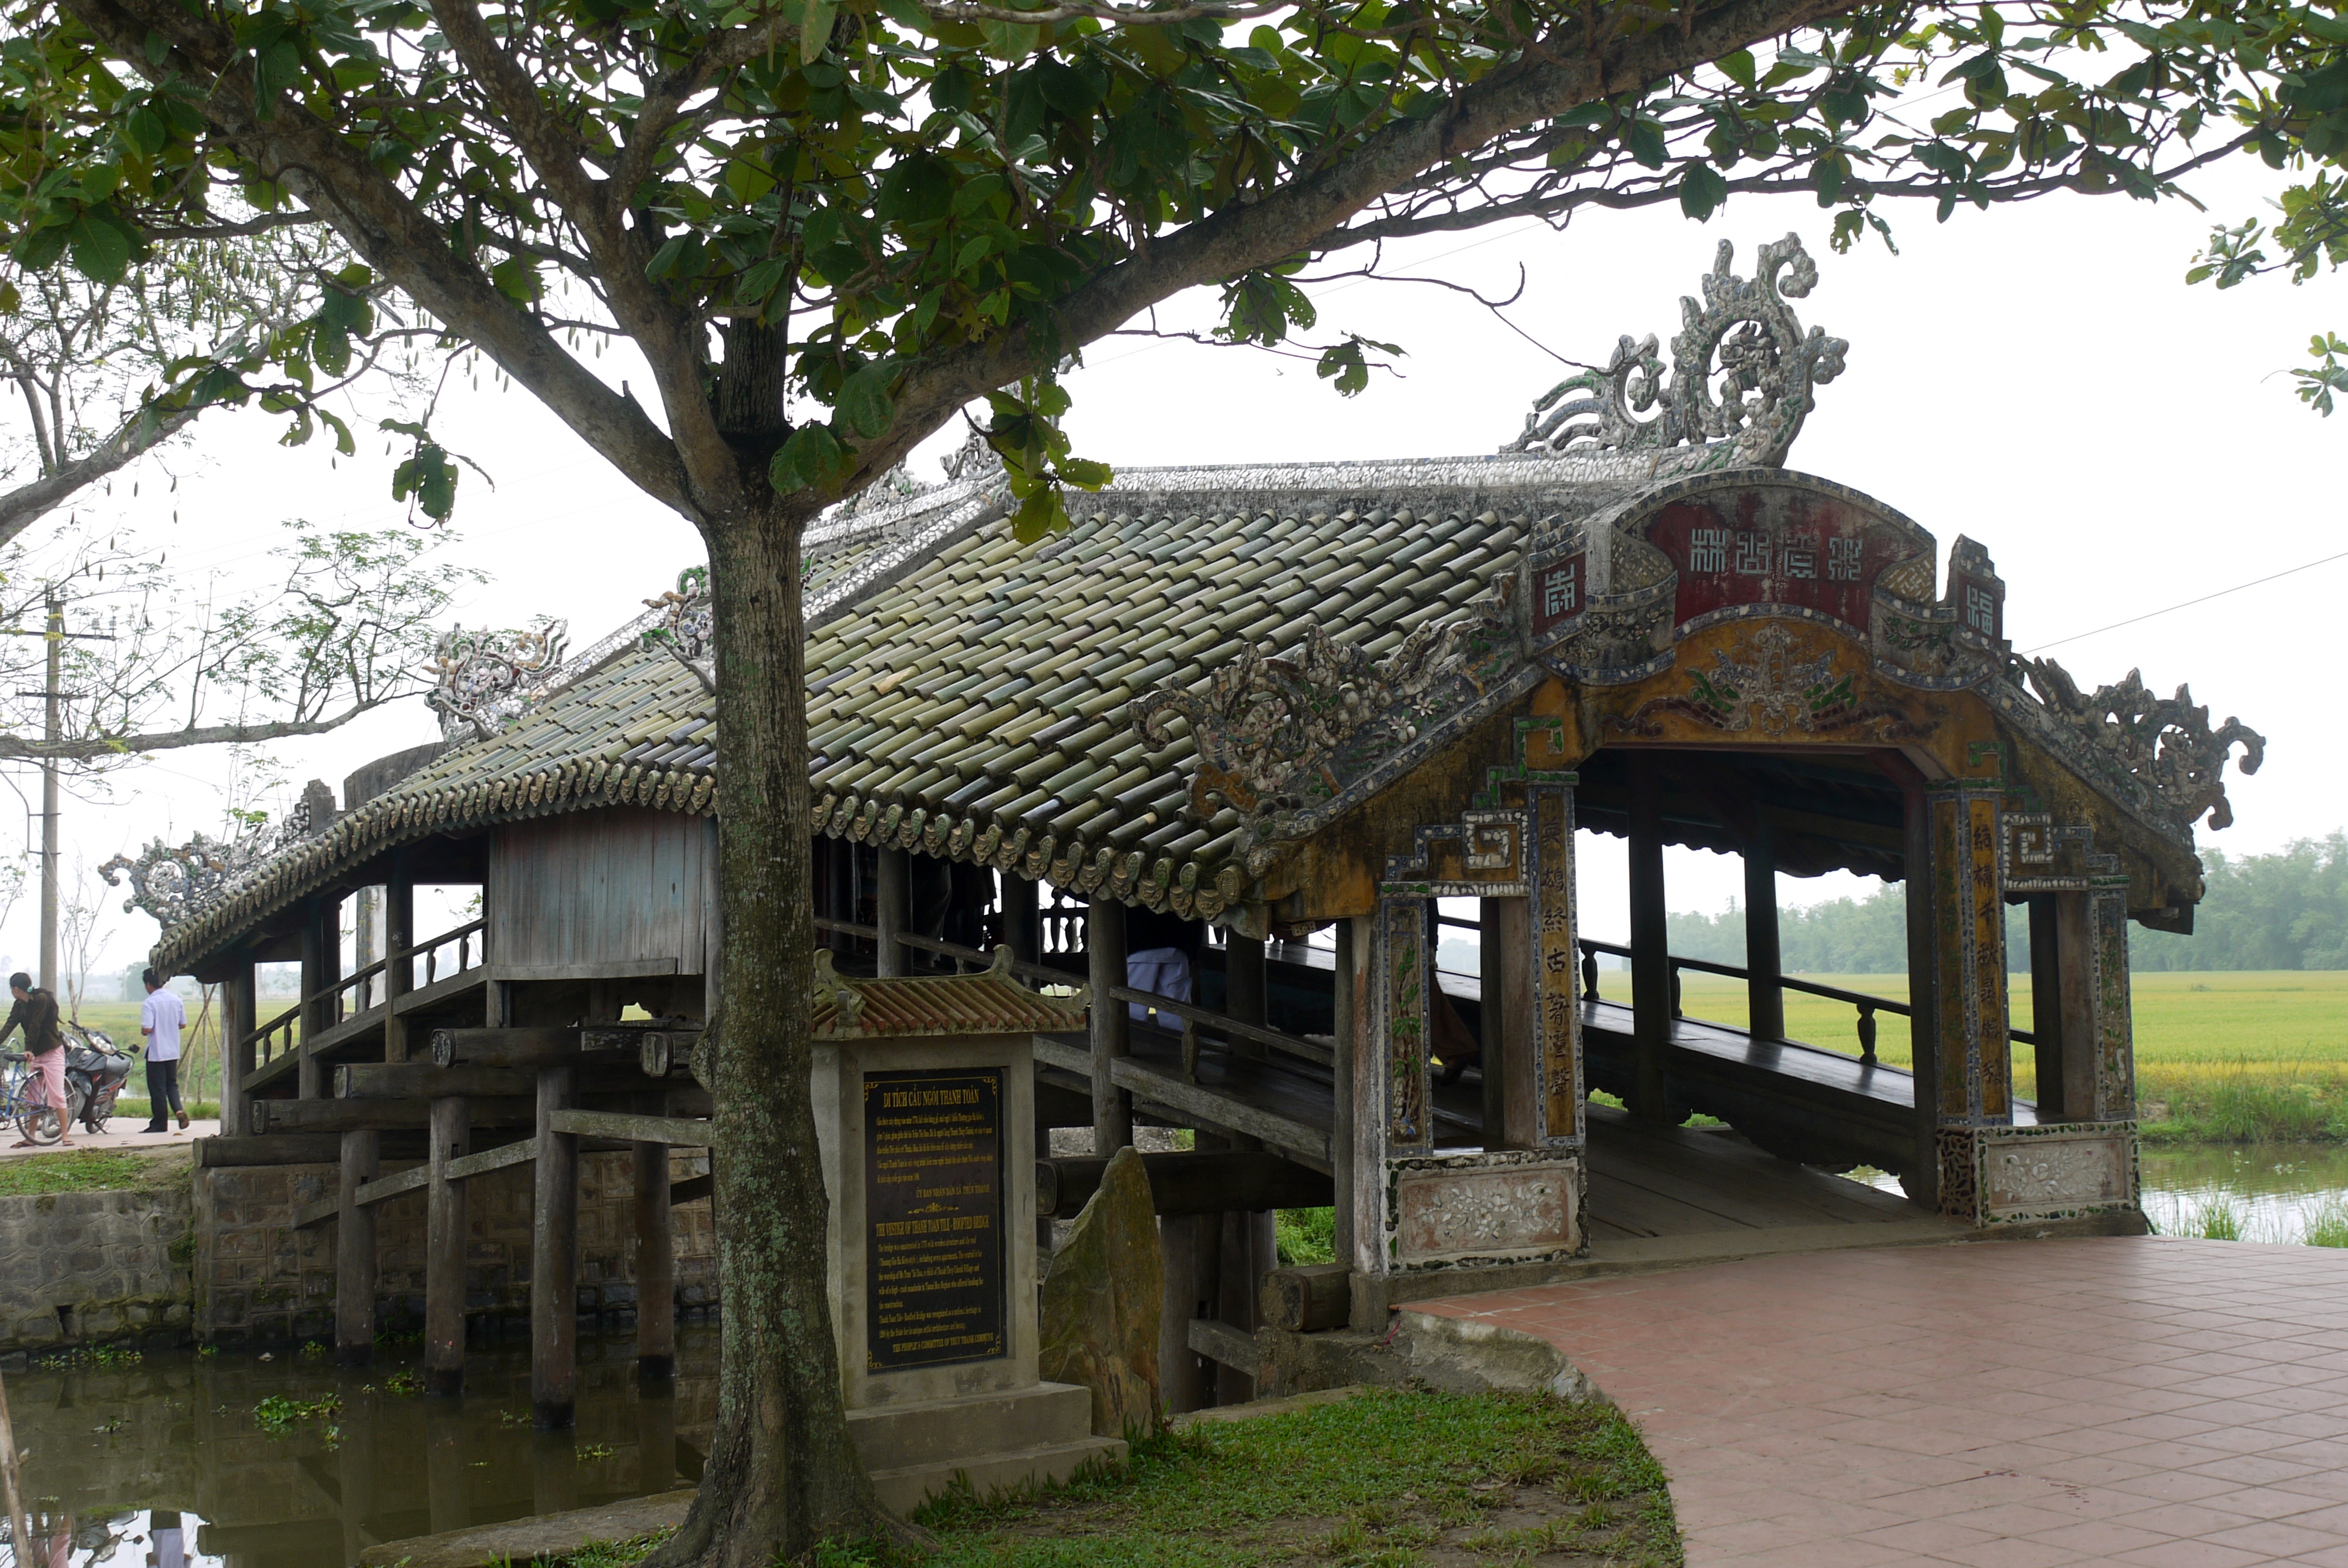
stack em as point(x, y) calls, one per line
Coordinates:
point(850, 1007)
point(973, 705)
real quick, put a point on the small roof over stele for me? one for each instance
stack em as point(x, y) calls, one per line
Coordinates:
point(850, 1007)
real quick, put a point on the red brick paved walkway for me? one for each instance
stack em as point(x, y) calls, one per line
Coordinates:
point(2151, 1400)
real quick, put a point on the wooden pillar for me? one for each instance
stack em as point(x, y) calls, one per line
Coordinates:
point(1651, 967)
point(321, 964)
point(1763, 960)
point(655, 1260)
point(1510, 1107)
point(444, 1249)
point(354, 1261)
point(1189, 1246)
point(1922, 1184)
point(239, 1006)
point(366, 942)
point(1105, 959)
point(399, 973)
point(1244, 986)
point(554, 1259)
point(1021, 928)
point(1347, 1128)
point(891, 897)
point(2081, 1066)
point(2047, 1004)
point(1248, 1241)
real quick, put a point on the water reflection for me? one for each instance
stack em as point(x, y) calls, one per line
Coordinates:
point(2274, 1189)
point(289, 1463)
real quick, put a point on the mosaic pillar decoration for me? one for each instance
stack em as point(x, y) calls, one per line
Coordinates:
point(2083, 1166)
point(1975, 1086)
point(2114, 1022)
point(1556, 974)
point(1466, 1207)
point(1403, 977)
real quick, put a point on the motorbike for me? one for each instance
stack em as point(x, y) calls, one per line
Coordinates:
point(96, 1070)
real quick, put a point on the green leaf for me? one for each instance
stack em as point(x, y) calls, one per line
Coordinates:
point(516, 278)
point(100, 249)
point(815, 19)
point(808, 460)
point(1043, 512)
point(1738, 67)
point(146, 129)
point(864, 401)
point(1702, 190)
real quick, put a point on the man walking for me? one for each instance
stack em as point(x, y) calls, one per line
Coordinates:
point(35, 1013)
point(160, 1019)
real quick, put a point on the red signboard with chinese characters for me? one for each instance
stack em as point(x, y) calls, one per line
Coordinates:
point(1775, 547)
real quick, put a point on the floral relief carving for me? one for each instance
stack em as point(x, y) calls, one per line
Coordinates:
point(1280, 737)
point(1507, 1209)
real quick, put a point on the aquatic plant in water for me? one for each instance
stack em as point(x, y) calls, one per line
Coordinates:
point(278, 1415)
point(2217, 1220)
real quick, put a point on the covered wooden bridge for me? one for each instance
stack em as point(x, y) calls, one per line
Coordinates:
point(1258, 727)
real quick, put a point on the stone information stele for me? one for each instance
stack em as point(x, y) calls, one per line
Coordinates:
point(933, 1202)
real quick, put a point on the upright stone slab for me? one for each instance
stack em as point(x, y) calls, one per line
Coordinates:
point(1104, 1300)
point(924, 1098)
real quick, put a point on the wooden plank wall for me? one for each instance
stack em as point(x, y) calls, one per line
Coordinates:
point(621, 886)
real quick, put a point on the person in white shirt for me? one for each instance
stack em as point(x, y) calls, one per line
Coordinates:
point(160, 1018)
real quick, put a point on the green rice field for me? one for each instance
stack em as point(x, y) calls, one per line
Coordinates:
point(2264, 1052)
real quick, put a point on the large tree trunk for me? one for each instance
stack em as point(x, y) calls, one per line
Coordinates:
point(782, 1473)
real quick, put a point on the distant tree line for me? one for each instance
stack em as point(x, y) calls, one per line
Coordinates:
point(2286, 910)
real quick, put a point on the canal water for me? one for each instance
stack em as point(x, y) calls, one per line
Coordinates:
point(2266, 1192)
point(179, 1459)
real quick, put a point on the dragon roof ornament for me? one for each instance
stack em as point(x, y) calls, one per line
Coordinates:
point(2158, 751)
point(173, 882)
point(687, 633)
point(1287, 742)
point(485, 680)
point(1766, 371)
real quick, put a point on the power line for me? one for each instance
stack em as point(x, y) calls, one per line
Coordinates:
point(2189, 604)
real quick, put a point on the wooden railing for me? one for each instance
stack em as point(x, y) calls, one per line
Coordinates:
point(1868, 1005)
point(966, 960)
point(282, 1033)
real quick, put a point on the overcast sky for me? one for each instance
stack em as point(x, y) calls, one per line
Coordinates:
point(2039, 378)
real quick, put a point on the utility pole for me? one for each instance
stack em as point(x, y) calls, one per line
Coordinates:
point(52, 732)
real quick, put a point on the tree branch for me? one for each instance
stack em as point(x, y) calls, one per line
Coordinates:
point(1302, 216)
point(15, 748)
point(378, 222)
point(136, 436)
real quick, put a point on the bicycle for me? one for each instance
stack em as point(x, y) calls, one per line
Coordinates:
point(33, 1118)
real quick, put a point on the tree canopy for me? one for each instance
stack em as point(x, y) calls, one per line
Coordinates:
point(936, 201)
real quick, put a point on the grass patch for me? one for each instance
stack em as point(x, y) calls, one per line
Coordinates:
point(1389, 1479)
point(1306, 1236)
point(93, 1171)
